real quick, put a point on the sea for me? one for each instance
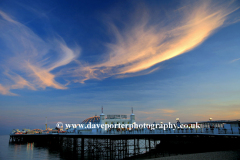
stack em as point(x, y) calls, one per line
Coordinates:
point(25, 151)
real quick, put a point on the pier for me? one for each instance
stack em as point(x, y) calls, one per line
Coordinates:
point(135, 144)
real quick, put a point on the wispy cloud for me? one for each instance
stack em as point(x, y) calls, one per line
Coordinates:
point(6, 17)
point(235, 60)
point(167, 110)
point(140, 45)
point(5, 91)
point(32, 56)
point(20, 82)
point(160, 111)
point(143, 40)
point(44, 78)
point(136, 74)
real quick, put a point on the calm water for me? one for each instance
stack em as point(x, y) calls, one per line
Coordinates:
point(32, 151)
point(24, 151)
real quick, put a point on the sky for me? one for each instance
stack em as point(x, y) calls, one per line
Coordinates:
point(64, 60)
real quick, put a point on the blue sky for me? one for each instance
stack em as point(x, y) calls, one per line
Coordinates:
point(166, 59)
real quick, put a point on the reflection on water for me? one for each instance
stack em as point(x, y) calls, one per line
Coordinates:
point(14, 151)
point(29, 151)
point(20, 148)
point(30, 147)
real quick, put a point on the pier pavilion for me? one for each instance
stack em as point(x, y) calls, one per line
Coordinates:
point(102, 119)
point(110, 119)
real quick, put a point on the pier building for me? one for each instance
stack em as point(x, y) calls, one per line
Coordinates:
point(116, 119)
point(110, 119)
point(97, 121)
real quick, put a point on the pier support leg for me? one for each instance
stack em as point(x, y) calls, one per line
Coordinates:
point(82, 148)
point(75, 146)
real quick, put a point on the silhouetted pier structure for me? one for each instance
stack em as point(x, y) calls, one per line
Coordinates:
point(132, 145)
point(140, 143)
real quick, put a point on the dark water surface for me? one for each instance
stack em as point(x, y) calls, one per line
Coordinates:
point(24, 151)
point(11, 151)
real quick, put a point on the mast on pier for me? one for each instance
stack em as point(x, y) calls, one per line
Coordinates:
point(46, 123)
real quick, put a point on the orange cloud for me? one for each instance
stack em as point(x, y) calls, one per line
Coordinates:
point(167, 110)
point(158, 111)
point(141, 46)
point(30, 56)
point(20, 82)
point(138, 46)
point(5, 91)
point(44, 78)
